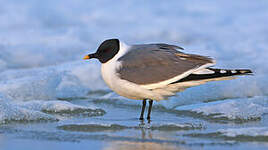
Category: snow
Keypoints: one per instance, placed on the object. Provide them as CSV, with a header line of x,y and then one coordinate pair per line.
x,y
40,110
232,109
42,45
248,131
54,106
13,112
62,81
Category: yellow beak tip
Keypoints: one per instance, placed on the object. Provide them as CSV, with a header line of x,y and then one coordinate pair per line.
x,y
86,57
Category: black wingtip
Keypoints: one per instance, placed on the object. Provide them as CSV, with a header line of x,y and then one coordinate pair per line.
x,y
245,72
217,73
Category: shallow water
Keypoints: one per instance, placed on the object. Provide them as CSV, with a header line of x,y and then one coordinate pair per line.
x,y
119,128
51,99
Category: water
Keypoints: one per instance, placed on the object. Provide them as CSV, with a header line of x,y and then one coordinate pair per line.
x,y
51,98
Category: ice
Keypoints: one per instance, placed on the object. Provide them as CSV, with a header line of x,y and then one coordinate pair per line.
x,y
242,134
41,110
248,131
55,106
32,87
10,111
58,37
47,64
2,65
63,81
93,127
232,109
175,126
42,44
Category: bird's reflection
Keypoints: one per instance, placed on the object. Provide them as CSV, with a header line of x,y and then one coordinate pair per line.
x,y
130,145
145,129
144,142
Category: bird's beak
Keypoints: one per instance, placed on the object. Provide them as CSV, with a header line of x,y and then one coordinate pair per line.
x,y
86,57
89,56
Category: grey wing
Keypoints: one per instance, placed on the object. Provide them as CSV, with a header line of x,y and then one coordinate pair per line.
x,y
153,63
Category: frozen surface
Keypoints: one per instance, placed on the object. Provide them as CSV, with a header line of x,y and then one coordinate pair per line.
x,y
57,36
13,112
251,131
95,127
55,106
41,110
62,81
240,109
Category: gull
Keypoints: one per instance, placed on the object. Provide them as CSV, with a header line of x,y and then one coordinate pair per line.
x,y
155,72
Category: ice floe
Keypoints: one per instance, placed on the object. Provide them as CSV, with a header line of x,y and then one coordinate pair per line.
x,y
64,81
232,109
248,131
97,126
11,110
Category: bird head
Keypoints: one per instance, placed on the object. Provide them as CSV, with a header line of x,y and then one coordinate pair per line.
x,y
106,51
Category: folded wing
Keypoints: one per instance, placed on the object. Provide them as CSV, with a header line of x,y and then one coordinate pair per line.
x,y
155,63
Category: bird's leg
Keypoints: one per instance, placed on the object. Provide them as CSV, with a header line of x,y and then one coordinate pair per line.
x,y
143,108
150,109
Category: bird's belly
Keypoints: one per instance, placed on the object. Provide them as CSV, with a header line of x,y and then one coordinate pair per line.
x,y
118,85
127,92
124,90
123,87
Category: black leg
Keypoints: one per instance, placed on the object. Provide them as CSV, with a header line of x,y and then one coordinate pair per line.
x,y
150,109
143,108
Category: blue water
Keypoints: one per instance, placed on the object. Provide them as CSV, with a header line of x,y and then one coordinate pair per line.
x,y
51,98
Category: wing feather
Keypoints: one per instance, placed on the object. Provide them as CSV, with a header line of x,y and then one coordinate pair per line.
x,y
153,63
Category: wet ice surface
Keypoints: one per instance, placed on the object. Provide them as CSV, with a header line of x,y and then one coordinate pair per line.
x,y
51,98
235,109
42,110
168,129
